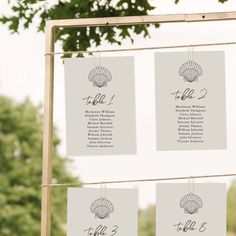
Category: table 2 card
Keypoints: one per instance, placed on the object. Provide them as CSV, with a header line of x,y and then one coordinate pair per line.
x,y
100,212
100,106
190,100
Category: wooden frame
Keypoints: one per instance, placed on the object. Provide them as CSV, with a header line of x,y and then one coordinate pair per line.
x,y
49,82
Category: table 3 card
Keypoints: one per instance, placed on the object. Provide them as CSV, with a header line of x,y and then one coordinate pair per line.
x,y
99,212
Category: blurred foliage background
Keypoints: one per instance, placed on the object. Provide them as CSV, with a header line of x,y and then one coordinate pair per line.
x,y
21,123
21,170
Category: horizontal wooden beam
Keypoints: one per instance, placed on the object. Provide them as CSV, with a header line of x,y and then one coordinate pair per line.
x,y
148,19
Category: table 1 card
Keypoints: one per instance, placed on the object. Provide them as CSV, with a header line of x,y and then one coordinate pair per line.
x,y
201,211
100,106
97,212
190,100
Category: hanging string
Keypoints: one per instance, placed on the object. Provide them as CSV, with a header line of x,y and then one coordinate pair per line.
x,y
103,190
191,186
97,59
139,49
188,58
190,54
193,54
139,180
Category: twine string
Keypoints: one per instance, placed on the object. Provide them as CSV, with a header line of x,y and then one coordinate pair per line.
x,y
140,48
138,180
191,186
103,190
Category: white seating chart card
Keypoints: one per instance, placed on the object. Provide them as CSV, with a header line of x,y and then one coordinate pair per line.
x,y
100,106
199,212
190,100
107,212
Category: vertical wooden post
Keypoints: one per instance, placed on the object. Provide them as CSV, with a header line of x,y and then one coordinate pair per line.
x,y
47,133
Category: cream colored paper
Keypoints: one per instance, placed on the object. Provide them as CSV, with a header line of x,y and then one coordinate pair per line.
x,y
107,212
100,106
190,100
183,209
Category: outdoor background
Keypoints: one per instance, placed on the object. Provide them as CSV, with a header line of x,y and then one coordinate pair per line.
x,y
22,91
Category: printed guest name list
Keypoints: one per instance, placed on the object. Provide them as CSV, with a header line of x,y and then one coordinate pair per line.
x,y
100,106
190,123
190,101
100,125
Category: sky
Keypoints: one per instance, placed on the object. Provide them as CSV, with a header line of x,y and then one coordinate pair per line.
x,y
22,75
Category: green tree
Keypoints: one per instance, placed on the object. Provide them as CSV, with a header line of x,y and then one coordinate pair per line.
x,y
20,171
147,221
25,12
231,208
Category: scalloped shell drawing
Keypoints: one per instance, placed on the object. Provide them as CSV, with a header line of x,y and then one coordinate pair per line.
x,y
190,71
191,203
102,208
100,76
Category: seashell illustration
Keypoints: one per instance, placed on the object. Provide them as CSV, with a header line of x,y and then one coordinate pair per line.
x,y
190,71
100,76
191,203
102,208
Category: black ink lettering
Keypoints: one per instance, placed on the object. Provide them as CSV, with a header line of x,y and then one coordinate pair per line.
x,y
202,227
101,230
188,226
114,231
98,99
89,231
179,227
111,100
204,91
187,94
